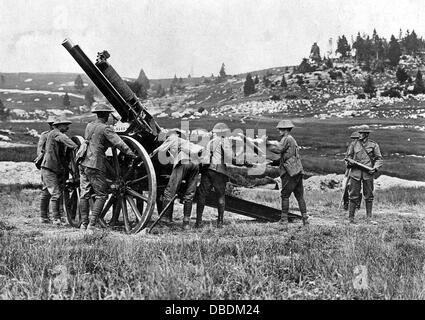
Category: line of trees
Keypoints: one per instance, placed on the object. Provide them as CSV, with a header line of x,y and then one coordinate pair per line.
x,y
378,48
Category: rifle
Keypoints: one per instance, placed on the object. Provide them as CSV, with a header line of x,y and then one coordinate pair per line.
x,y
345,188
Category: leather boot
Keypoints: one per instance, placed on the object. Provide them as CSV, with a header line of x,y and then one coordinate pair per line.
x,y
369,210
168,216
220,218
199,211
187,212
84,212
284,218
54,204
351,210
97,210
44,206
305,218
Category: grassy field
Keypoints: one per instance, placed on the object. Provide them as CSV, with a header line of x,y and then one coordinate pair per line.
x,y
244,260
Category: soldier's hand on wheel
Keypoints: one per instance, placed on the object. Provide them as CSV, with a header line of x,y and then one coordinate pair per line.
x,y
134,156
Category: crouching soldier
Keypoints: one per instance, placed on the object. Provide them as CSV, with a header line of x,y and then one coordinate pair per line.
x,y
218,152
354,136
185,157
100,137
54,168
291,171
366,152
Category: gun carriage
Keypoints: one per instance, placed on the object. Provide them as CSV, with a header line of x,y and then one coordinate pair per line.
x,y
135,185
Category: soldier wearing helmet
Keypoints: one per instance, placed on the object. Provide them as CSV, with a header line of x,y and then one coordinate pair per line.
x,y
185,157
291,170
354,136
366,152
45,195
218,153
54,168
99,136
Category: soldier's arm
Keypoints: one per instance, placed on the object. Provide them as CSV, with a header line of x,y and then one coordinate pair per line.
x,y
279,147
41,144
117,142
378,157
66,141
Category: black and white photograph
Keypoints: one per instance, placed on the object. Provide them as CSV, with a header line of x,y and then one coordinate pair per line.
x,y
212,155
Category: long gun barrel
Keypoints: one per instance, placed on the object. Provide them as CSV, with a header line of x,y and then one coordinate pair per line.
x,y
113,87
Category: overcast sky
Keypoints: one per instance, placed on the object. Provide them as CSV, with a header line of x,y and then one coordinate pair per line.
x,y
167,37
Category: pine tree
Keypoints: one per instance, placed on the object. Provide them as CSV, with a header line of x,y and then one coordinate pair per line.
x,y
4,112
79,83
343,47
315,53
222,72
160,92
419,84
283,83
256,80
89,96
66,101
2,80
394,51
305,66
143,80
266,81
369,87
249,85
171,90
174,80
401,75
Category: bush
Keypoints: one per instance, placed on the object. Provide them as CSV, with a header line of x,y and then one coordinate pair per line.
x,y
392,93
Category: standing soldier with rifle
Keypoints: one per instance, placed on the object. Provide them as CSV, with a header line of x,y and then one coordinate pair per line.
x,y
364,159
54,168
354,136
291,171
99,136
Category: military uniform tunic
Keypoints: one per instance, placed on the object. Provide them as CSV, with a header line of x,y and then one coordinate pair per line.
x,y
93,168
185,158
218,153
288,149
54,168
367,153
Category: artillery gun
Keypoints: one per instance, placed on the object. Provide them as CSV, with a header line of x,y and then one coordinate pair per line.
x,y
135,185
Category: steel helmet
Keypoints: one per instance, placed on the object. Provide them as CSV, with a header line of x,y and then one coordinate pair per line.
x,y
220,128
355,135
103,108
285,124
364,129
61,120
51,119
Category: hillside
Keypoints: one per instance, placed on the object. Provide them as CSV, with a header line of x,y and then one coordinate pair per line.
x,y
326,106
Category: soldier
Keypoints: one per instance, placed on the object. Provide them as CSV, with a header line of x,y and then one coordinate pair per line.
x,y
100,136
291,171
366,152
214,172
354,136
54,168
185,157
45,195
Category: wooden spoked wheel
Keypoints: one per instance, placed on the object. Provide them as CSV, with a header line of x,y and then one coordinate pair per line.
x,y
132,189
71,193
